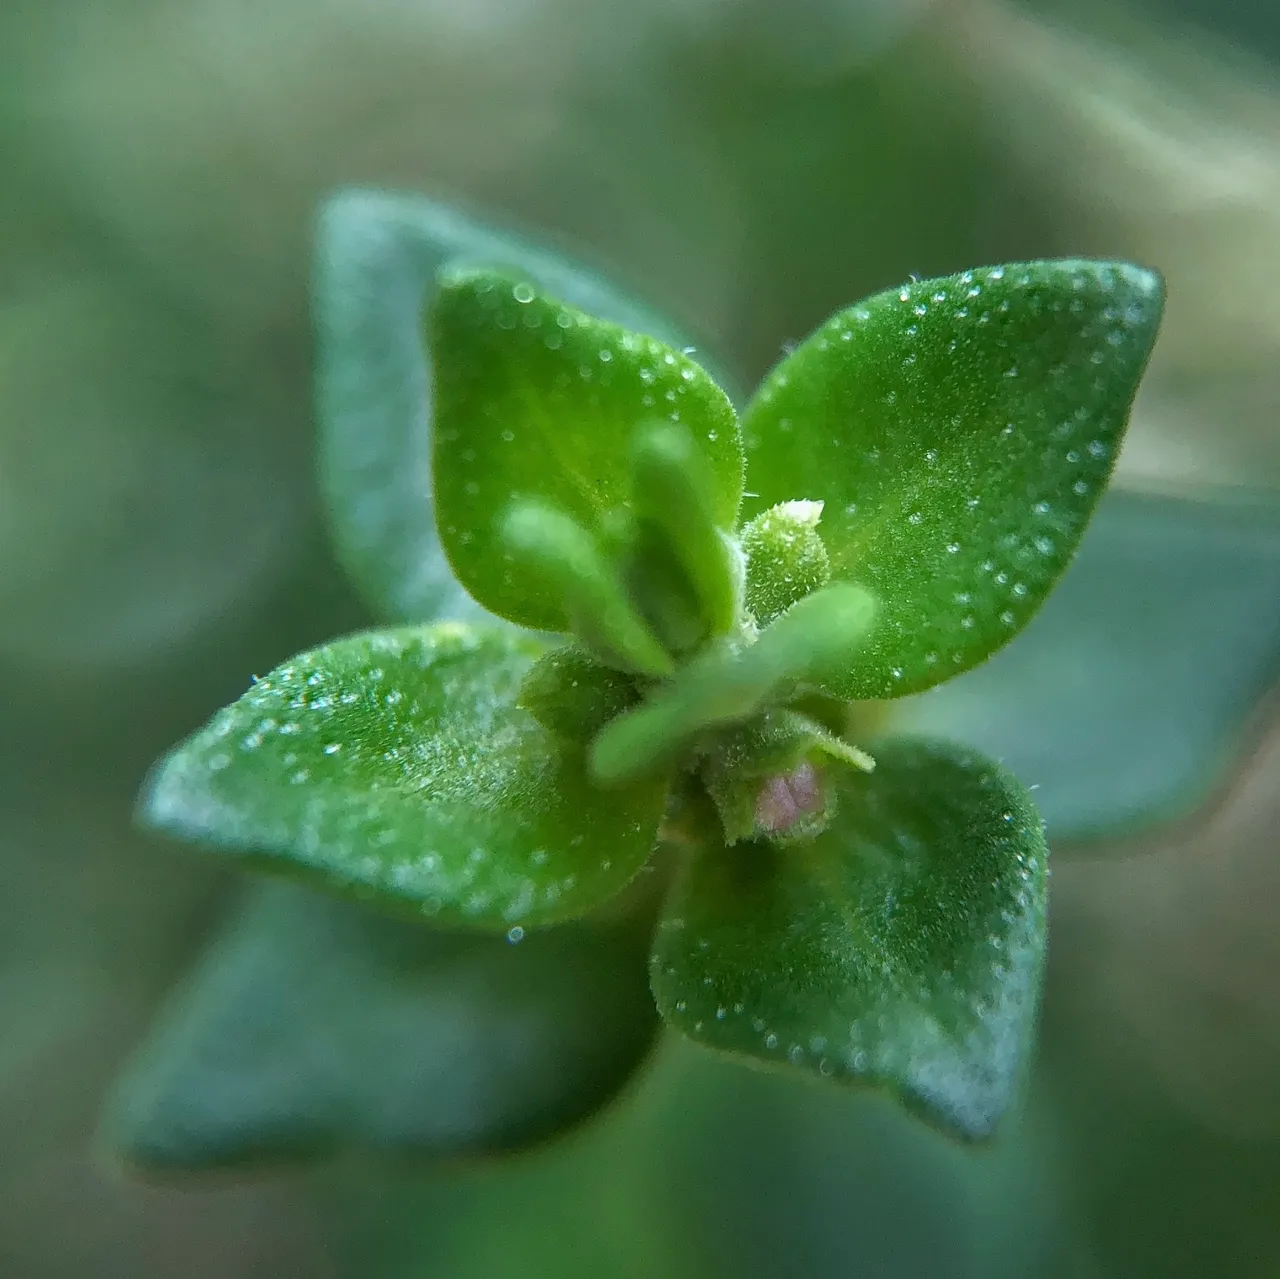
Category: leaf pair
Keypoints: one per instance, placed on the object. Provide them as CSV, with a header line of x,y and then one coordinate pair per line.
x,y
954,435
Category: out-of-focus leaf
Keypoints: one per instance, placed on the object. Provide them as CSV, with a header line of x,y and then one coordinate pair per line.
x,y
377,262
902,947
314,1025
1124,700
959,432
397,765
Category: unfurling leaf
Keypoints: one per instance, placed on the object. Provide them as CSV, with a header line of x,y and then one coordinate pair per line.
x,y
560,554
729,684
786,558
674,491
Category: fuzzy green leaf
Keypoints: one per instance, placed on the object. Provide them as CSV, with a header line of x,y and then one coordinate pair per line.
x,y
674,492
569,692
902,947
561,556
538,400
397,765
785,558
959,432
314,1026
377,260
728,684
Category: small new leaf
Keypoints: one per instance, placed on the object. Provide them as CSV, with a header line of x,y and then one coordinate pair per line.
x,y
902,947
398,766
557,552
674,491
569,692
786,558
729,684
537,400
959,432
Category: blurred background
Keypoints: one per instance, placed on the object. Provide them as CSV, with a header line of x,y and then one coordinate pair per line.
x,y
751,165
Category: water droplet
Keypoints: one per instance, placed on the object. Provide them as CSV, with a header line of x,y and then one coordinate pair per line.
x,y
333,748
953,548
515,934
522,292
771,1040
1044,545
914,518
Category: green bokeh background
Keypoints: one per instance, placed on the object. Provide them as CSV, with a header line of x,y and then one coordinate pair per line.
x,y
749,166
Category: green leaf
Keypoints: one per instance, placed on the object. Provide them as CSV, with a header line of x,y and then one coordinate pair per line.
x,y
1123,703
903,947
538,400
569,692
730,683
591,598
674,492
786,558
314,1026
397,765
377,259
959,432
